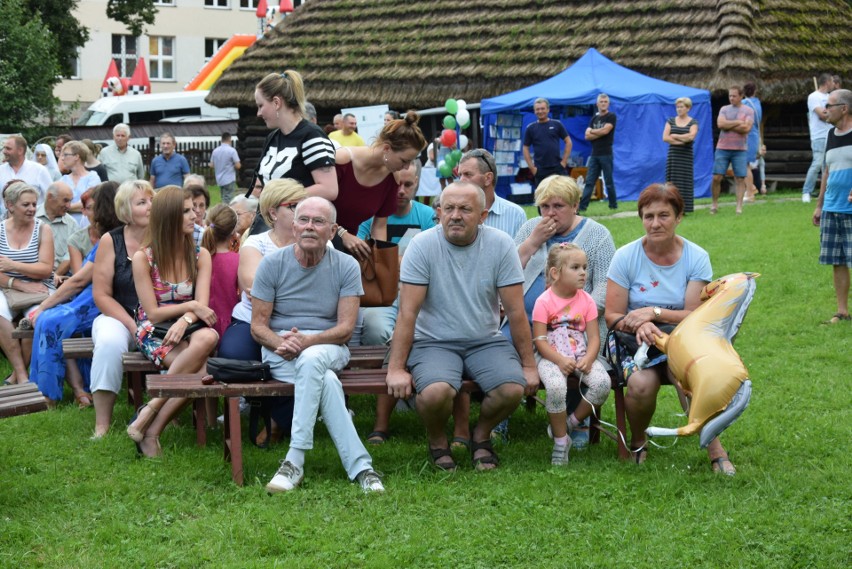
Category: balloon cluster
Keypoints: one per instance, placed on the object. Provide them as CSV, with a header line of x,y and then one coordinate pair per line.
x,y
458,118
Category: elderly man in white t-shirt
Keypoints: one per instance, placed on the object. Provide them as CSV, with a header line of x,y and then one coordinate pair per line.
x,y
305,300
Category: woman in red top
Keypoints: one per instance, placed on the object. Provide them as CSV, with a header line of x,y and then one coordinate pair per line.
x,y
367,186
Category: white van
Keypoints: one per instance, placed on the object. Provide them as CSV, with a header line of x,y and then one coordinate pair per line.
x,y
133,109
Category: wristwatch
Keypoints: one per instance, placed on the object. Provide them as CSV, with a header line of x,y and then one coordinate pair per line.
x,y
188,319
657,312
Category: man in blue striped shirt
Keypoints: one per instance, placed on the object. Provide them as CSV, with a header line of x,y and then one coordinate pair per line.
x,y
833,213
478,167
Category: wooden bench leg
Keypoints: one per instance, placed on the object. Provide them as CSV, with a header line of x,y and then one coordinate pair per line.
x,y
199,415
233,439
135,383
594,427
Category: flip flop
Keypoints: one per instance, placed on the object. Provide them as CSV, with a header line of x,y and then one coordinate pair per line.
x,y
640,454
718,465
838,318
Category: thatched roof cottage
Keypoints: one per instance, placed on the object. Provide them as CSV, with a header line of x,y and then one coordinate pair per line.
x,y
416,54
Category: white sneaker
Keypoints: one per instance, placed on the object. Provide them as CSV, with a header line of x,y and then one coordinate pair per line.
x,y
244,407
559,455
806,198
288,477
370,481
567,425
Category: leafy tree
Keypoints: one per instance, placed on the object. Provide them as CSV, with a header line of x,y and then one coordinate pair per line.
x,y
66,29
29,66
135,14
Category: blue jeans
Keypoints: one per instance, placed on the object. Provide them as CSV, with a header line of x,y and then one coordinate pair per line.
x,y
227,192
319,391
818,149
598,165
379,322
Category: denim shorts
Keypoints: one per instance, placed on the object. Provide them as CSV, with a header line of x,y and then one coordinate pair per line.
x,y
736,158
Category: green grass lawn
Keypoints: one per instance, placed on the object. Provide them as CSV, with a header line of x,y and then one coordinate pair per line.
x,y
67,501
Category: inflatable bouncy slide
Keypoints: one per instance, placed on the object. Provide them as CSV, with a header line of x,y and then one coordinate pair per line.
x,y
230,50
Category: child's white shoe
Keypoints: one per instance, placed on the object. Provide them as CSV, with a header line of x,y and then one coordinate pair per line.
x,y
559,455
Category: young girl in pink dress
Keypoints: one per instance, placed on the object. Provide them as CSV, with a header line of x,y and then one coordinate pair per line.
x,y
218,238
561,315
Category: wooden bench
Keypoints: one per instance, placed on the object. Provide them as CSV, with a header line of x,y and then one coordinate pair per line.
x,y
23,333
21,399
369,379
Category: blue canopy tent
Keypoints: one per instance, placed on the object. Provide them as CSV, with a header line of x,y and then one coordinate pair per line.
x,y
642,105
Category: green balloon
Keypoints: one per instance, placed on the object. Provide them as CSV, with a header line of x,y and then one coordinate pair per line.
x,y
465,125
457,155
450,122
445,169
450,160
452,106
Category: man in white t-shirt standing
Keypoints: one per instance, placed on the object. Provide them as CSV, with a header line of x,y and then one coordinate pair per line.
x,y
817,116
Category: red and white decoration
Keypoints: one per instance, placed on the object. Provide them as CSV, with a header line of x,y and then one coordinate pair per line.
x,y
115,86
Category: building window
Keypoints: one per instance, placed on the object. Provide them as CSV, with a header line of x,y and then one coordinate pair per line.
x,y
217,3
125,54
164,2
211,46
75,66
162,57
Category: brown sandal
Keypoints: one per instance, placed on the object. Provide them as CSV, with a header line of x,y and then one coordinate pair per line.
x,y
437,453
482,463
84,400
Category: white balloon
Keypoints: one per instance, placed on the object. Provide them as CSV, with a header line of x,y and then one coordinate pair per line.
x,y
463,142
462,104
463,117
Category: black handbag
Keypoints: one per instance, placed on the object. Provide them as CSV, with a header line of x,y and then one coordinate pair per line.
x,y
227,370
162,328
620,347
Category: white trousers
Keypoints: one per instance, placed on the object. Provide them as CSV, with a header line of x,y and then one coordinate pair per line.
x,y
111,339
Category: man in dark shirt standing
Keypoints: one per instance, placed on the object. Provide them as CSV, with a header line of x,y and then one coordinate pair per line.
x,y
600,133
544,135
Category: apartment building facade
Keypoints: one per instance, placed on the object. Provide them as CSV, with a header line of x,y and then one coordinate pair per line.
x,y
185,35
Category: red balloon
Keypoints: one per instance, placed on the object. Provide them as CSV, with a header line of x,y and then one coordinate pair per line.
x,y
448,138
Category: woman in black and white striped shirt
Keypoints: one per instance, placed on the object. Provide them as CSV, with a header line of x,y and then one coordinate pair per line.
x,y
26,265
